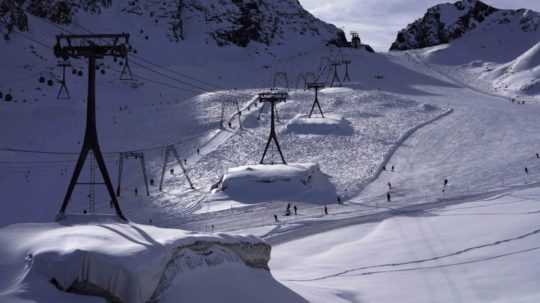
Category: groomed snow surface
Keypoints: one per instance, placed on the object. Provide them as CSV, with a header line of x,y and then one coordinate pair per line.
x,y
482,251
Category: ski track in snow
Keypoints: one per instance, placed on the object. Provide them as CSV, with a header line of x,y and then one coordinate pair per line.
x,y
453,254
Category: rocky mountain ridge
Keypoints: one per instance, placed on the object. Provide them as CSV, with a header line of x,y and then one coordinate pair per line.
x,y
444,23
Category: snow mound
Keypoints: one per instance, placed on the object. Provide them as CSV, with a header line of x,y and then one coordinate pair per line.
x,y
428,107
53,262
330,124
259,183
337,90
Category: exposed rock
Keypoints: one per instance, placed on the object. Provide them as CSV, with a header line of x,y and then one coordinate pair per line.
x,y
442,24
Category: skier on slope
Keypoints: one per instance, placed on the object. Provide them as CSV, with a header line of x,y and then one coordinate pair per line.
x,y
276,218
526,170
389,186
295,210
388,197
325,210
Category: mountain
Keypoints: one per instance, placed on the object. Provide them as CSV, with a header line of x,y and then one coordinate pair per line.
x,y
450,21
238,22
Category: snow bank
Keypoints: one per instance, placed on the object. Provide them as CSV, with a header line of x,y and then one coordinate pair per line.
x,y
330,124
119,262
258,183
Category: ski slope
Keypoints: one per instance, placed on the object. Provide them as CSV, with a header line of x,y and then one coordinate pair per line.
x,y
405,123
482,251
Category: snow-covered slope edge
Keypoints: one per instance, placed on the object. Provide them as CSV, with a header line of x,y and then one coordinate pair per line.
x,y
119,262
520,75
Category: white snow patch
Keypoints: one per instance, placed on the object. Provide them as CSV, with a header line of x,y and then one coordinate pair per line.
x,y
258,183
123,261
330,124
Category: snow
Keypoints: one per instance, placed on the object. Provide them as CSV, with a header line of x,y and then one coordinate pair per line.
x,y
432,114
482,251
124,260
303,124
294,181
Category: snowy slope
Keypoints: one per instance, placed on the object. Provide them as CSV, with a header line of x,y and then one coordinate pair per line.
x,y
410,120
520,76
482,251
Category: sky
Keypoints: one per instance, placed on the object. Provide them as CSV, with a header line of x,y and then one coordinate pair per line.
x,y
378,21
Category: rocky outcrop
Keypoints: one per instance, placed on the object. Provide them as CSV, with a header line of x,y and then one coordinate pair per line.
x,y
442,24
14,14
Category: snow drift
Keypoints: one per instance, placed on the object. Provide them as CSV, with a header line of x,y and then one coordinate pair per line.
x,y
330,124
258,183
119,262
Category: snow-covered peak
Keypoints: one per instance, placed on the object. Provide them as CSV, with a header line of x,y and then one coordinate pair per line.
x,y
444,23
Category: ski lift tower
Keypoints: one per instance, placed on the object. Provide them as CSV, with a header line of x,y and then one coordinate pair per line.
x,y
355,41
91,47
346,78
335,78
273,98
316,86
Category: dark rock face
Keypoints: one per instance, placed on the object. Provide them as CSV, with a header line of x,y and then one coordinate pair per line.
x,y
228,22
12,16
241,22
442,24
14,12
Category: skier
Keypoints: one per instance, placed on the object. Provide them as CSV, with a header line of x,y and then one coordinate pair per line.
x,y
230,125
393,168
172,171
276,218
288,210
295,210
152,182
185,161
325,210
526,170
445,182
136,191
198,151
389,186
388,197
384,168
338,200
537,155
